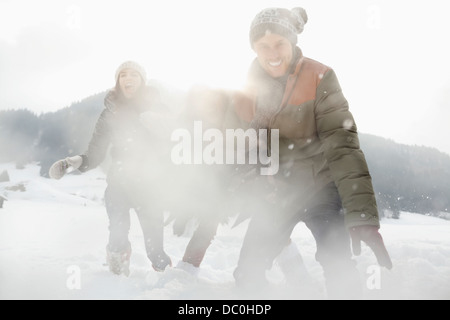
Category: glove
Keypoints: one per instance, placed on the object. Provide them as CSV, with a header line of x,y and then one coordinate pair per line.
x,y
371,236
60,167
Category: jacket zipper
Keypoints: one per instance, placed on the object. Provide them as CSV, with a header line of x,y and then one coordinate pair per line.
x,y
281,107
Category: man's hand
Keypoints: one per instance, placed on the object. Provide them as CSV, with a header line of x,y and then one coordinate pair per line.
x,y
371,236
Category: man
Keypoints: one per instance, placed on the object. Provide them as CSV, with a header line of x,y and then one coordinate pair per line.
x,y
323,178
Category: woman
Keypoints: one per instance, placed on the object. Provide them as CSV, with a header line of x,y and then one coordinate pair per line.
x,y
202,189
212,193
322,168
137,169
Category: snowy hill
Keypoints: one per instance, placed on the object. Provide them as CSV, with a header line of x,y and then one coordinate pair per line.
x,y
53,236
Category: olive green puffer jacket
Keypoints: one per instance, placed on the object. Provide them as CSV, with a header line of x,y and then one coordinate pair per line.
x,y
318,142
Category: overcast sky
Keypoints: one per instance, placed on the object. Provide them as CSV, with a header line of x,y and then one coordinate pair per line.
x,y
391,57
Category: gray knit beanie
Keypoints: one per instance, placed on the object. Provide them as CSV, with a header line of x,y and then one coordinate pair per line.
x,y
132,65
286,23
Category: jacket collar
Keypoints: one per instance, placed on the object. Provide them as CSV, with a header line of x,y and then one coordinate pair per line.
x,y
113,99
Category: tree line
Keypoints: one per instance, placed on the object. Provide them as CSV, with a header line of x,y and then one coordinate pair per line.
x,y
405,178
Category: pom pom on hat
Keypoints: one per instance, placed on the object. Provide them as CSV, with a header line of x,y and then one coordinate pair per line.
x,y
302,18
287,23
132,65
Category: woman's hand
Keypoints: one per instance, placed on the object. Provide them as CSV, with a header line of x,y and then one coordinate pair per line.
x,y
60,167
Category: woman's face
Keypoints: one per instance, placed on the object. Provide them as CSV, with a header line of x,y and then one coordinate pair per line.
x,y
274,54
130,82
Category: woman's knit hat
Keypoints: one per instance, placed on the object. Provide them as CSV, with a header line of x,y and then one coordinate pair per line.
x,y
286,23
132,65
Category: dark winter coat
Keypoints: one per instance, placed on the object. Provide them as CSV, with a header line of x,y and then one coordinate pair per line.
x,y
138,158
318,141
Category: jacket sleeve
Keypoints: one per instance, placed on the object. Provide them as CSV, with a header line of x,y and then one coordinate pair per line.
x,y
99,143
338,133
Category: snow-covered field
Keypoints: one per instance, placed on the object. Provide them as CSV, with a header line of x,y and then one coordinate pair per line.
x,y
53,238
